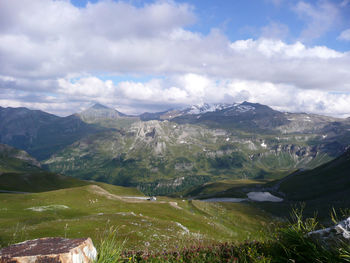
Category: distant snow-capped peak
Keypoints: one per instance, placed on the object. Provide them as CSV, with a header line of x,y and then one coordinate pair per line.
x,y
206,107
212,107
244,108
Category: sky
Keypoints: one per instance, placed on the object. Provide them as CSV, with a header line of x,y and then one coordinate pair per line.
x,y
62,56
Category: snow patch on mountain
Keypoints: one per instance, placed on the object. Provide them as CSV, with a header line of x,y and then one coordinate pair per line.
x,y
206,107
244,108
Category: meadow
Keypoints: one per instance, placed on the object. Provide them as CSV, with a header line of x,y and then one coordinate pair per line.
x,y
86,211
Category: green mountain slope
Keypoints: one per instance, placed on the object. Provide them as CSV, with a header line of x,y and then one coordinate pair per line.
x,y
22,173
321,190
39,181
19,172
330,181
40,133
163,157
14,160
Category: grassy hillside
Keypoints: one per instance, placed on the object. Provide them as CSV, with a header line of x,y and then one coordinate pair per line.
x,y
10,165
328,181
89,210
20,176
320,190
39,181
15,160
223,188
19,172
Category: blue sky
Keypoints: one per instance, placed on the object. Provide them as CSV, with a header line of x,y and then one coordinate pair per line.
x,y
152,55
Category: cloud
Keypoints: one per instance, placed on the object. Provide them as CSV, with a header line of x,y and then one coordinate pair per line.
x,y
106,36
57,63
345,35
279,49
187,89
159,94
319,18
295,64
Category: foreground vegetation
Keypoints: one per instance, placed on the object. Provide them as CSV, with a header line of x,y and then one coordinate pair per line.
x,y
288,243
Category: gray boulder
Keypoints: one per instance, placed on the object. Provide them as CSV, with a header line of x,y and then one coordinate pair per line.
x,y
339,232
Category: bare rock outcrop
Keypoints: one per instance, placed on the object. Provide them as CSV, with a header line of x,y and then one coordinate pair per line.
x,y
50,250
341,231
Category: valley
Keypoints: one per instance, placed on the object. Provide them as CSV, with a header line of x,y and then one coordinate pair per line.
x,y
172,151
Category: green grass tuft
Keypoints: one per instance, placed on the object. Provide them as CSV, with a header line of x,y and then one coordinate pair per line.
x,y
109,248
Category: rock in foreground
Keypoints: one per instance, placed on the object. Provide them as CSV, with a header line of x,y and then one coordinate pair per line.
x,y
341,231
50,250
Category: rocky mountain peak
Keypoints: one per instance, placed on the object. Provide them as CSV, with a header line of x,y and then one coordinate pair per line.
x,y
98,112
98,106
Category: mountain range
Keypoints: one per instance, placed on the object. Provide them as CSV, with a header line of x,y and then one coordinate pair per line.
x,y
39,133
174,150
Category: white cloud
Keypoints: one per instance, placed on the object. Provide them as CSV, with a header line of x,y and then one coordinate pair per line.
x,y
277,48
89,87
345,35
295,64
53,52
182,90
107,36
